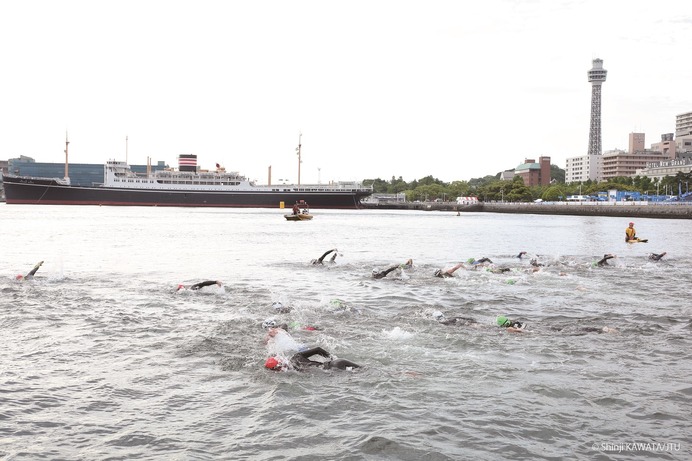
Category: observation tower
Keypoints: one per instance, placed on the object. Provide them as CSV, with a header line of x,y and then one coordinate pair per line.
x,y
597,75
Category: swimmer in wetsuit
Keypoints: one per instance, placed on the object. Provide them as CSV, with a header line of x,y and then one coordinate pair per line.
x,y
301,360
604,260
462,321
320,260
521,254
656,257
443,273
510,325
383,273
31,273
199,285
476,262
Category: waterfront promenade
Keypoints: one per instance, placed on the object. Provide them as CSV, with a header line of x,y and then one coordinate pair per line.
x,y
667,210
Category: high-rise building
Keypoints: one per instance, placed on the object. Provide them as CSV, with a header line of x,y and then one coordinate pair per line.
x,y
683,133
584,168
683,124
597,75
637,143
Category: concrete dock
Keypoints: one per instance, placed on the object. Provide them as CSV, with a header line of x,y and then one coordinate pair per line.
x,y
667,210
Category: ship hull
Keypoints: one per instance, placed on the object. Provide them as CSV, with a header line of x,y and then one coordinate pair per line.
x,y
45,191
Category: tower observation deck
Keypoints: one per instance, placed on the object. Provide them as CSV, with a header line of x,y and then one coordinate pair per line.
x,y
597,75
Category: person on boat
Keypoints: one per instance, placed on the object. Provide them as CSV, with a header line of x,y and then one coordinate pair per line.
x,y
449,272
630,233
31,273
320,260
604,260
510,325
296,210
313,357
656,257
199,285
461,321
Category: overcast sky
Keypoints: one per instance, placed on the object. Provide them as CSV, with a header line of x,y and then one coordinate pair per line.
x,y
452,89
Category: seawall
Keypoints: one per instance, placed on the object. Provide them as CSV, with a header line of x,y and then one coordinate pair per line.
x,y
615,209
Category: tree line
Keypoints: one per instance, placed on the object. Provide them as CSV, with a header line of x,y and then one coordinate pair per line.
x,y
492,188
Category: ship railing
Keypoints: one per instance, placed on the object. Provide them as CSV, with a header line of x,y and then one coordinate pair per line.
x,y
63,181
348,187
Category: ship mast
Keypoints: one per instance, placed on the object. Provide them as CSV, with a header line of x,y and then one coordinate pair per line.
x,y
125,149
300,135
67,176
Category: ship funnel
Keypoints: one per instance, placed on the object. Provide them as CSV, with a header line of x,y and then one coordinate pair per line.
x,y
187,162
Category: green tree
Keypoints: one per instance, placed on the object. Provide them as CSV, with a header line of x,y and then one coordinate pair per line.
x,y
553,193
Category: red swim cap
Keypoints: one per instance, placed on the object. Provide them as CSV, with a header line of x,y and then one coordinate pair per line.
x,y
631,224
19,277
271,363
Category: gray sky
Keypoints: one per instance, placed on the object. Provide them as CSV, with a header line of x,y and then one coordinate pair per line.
x,y
449,88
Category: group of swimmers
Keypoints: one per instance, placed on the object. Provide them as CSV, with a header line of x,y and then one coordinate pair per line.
x,y
303,357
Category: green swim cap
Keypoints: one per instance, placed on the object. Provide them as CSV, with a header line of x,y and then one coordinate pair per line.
x,y
511,281
501,320
470,260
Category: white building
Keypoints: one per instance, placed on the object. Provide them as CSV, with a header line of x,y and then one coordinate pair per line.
x,y
659,170
683,132
584,168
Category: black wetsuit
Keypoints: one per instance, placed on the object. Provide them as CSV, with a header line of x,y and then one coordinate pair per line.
x,y
33,271
604,261
458,321
656,257
483,260
321,258
302,359
382,274
199,285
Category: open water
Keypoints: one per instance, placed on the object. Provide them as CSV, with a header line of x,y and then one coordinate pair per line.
x,y
102,359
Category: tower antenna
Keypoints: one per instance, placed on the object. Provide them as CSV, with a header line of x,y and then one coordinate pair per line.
x,y
597,75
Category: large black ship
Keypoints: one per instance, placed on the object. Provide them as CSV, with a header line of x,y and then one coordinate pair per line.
x,y
186,186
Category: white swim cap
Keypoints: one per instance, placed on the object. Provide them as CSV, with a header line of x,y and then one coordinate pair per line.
x,y
269,323
437,315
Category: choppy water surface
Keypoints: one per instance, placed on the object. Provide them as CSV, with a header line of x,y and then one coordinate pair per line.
x,y
102,359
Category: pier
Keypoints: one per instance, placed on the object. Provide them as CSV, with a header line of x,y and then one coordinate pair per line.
x,y
662,210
